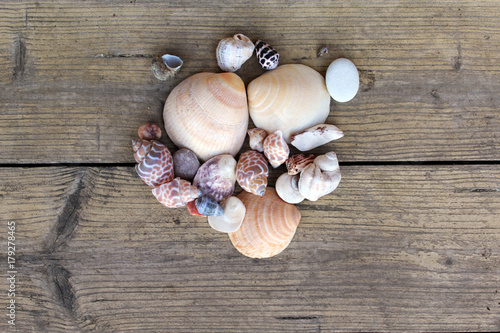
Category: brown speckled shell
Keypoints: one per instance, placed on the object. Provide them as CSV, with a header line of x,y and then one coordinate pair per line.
x,y
176,194
268,227
252,172
155,164
296,163
276,149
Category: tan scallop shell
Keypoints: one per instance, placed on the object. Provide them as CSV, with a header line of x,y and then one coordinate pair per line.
x,y
290,98
208,114
268,227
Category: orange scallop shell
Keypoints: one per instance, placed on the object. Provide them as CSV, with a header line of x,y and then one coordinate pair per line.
x,y
268,227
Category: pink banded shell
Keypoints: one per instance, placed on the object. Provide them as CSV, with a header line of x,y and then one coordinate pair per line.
x,y
155,164
252,172
276,149
177,193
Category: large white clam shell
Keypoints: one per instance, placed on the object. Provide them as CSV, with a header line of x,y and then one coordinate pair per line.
x,y
208,114
232,52
290,98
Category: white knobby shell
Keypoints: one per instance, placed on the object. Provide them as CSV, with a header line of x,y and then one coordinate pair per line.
x,y
231,220
320,178
327,162
342,80
289,98
315,136
287,188
232,52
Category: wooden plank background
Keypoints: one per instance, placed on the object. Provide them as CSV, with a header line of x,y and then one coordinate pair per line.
x,y
409,241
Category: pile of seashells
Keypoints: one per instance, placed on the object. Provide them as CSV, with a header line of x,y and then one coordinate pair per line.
x,y
207,116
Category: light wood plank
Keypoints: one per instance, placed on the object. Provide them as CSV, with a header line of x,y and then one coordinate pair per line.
x,y
394,248
429,71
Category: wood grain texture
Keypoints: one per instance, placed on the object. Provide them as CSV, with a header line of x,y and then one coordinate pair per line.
x,y
405,248
76,82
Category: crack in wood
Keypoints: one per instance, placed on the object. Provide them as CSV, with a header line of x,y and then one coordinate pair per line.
x,y
19,58
298,318
64,292
476,190
124,55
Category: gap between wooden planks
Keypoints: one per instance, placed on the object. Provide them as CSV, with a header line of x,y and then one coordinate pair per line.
x,y
394,248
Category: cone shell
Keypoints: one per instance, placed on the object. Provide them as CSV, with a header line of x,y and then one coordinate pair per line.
x,y
290,98
176,194
208,206
276,149
155,164
267,56
268,226
217,177
208,114
252,172
232,52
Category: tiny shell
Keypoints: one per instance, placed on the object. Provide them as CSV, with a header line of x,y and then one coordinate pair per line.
x,y
296,163
315,136
206,205
252,172
267,56
257,137
217,177
276,149
149,131
231,220
191,207
232,52
323,50
287,188
268,227
155,164
176,194
186,164
166,66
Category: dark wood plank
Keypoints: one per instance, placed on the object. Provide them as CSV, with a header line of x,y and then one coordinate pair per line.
x,y
76,82
400,248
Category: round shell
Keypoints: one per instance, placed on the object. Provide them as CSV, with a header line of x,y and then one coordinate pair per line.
x,y
208,114
268,226
186,164
252,172
154,162
290,98
217,177
232,52
230,221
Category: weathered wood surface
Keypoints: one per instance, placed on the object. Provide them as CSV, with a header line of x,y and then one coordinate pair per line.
x,y
406,248
75,81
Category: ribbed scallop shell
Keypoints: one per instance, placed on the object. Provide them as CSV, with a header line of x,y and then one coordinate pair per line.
x,y
176,194
208,114
232,52
290,98
155,164
276,149
268,227
252,172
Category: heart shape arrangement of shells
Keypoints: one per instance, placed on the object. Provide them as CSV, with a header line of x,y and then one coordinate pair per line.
x,y
206,116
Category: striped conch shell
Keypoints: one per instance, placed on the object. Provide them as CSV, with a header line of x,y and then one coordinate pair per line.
x,y
320,178
268,226
176,194
252,172
232,52
154,162
290,98
208,114
276,149
267,56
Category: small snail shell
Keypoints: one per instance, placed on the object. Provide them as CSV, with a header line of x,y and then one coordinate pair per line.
x,y
166,66
315,136
320,178
217,177
287,188
296,163
267,56
268,226
232,52
290,98
252,172
257,137
207,206
149,131
231,220
208,113
155,164
276,149
176,194
191,207
186,164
